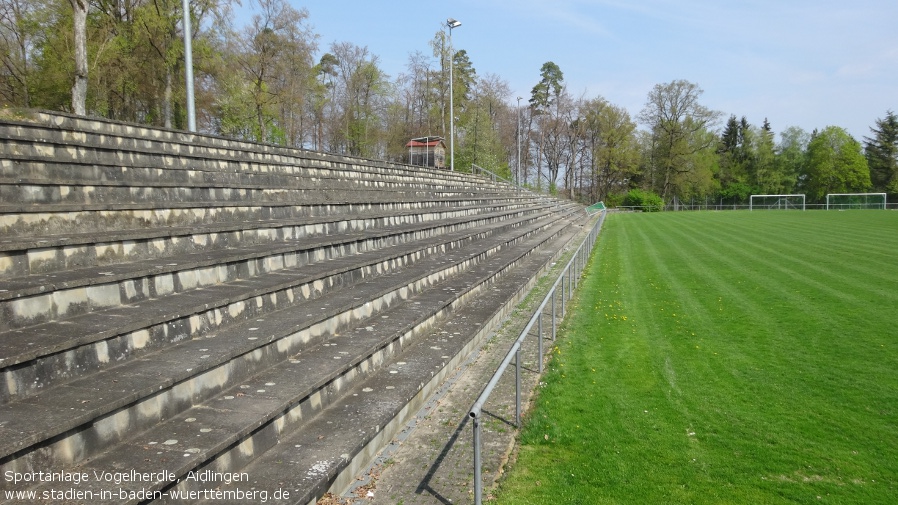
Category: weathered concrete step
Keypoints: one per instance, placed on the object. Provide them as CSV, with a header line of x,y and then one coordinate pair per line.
x,y
179,383
93,341
102,218
307,223
48,172
54,271
22,196
35,300
294,389
161,161
274,199
37,142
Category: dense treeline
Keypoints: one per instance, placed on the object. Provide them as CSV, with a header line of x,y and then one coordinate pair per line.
x,y
266,82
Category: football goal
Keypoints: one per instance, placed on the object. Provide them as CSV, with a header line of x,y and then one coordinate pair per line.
x,y
842,201
776,202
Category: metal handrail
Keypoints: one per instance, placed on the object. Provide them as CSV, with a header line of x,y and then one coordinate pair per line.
x,y
567,280
477,169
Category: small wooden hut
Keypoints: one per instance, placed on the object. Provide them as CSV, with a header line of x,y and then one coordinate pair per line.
x,y
427,152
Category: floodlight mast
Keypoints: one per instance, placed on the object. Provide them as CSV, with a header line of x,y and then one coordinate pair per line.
x,y
518,171
451,23
188,66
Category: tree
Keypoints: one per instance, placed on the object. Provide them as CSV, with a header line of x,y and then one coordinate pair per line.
x,y
546,99
611,149
791,158
484,133
419,114
882,154
735,156
835,164
79,88
678,124
20,31
266,99
322,100
440,47
362,89
765,178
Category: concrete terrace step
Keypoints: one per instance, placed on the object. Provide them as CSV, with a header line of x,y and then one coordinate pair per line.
x,y
49,171
349,217
194,386
97,142
101,218
240,423
35,258
54,271
85,342
24,198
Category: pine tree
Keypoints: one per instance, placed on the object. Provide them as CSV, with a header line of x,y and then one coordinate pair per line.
x,y
882,154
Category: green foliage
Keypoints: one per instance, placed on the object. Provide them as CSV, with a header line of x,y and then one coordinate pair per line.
x,y
736,192
22,25
791,158
679,138
747,156
763,173
882,154
609,136
835,164
735,152
478,143
644,200
614,200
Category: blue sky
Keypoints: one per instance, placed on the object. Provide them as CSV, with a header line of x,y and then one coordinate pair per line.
x,y
800,63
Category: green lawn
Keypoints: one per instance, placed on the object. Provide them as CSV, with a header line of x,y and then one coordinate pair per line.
x,y
724,357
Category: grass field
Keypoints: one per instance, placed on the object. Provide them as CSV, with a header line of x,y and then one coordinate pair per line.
x,y
724,357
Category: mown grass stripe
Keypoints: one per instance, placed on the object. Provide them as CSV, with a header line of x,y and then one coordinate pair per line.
x,y
774,382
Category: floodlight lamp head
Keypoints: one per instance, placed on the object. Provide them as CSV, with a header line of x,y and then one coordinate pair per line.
x,y
452,23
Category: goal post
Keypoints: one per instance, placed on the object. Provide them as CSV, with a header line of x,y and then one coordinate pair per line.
x,y
842,201
776,202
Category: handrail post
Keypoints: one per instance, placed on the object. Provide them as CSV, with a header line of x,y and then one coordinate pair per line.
x,y
539,338
563,294
570,283
517,388
554,324
478,484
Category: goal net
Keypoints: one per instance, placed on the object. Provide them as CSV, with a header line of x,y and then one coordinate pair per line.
x,y
776,202
842,201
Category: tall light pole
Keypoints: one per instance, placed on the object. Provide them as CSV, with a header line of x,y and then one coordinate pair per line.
x,y
188,67
451,23
518,171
